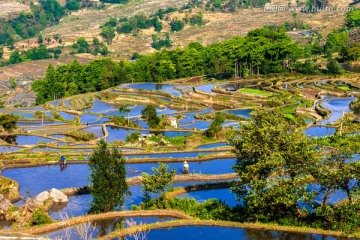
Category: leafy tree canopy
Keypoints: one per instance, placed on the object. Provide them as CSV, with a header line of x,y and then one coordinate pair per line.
x,y
108,177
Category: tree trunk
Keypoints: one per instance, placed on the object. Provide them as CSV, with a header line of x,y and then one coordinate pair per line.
x,y
326,197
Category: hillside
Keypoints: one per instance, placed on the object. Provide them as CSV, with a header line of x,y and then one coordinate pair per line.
x,y
219,26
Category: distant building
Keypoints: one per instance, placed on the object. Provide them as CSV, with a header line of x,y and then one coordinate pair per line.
x,y
173,122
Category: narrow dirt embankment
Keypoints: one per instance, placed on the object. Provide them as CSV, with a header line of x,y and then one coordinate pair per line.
x,y
210,223
178,178
103,216
198,187
33,162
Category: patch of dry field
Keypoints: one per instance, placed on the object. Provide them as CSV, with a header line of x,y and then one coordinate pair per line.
x,y
219,26
29,71
12,8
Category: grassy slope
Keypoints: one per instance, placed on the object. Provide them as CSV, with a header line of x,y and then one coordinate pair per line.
x,y
254,91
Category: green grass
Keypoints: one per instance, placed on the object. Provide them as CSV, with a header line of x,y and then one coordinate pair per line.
x,y
289,116
345,88
289,109
254,91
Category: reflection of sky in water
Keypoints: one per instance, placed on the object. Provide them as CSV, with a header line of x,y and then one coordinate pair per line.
x,y
241,112
206,88
101,107
316,131
88,118
97,130
67,116
221,194
103,227
215,233
212,145
156,87
9,148
337,106
27,140
79,205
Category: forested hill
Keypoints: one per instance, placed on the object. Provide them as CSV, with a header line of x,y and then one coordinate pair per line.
x,y
29,24
261,51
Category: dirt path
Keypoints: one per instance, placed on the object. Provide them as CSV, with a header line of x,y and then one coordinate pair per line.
x,y
194,222
178,178
98,217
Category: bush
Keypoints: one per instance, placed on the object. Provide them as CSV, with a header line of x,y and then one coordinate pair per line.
x,y
8,121
210,209
40,217
133,137
340,217
215,126
80,135
124,28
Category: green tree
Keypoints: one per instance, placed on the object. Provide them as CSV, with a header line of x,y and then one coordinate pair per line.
x,y
335,41
40,39
108,177
334,67
124,110
111,22
339,171
104,50
83,45
316,4
274,162
8,121
176,25
126,27
1,52
15,57
12,82
157,25
133,137
10,42
215,126
355,105
108,33
149,114
353,18
159,183
135,56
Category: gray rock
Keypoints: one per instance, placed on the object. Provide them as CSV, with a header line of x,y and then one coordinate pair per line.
x,y
5,204
52,194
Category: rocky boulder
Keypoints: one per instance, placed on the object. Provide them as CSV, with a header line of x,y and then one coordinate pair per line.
x,y
47,199
4,204
52,194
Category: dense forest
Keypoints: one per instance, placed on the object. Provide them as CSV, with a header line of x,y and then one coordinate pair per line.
x,y
262,51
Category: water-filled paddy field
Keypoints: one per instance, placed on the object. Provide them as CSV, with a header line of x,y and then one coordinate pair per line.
x,y
50,136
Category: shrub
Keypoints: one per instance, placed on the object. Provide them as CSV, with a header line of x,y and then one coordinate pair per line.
x,y
40,217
